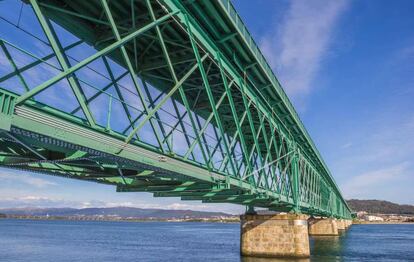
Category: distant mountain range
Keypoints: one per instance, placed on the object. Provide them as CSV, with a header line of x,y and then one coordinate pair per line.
x,y
370,206
380,206
122,212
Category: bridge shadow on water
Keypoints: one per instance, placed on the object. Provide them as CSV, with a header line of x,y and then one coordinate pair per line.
x,y
328,246
266,259
322,247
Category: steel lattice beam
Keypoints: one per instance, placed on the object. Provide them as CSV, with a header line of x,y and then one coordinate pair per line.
x,y
193,112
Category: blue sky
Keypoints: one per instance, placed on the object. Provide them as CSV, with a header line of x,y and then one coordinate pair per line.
x,y
348,67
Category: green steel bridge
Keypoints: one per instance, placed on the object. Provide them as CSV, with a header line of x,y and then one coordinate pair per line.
x,y
171,97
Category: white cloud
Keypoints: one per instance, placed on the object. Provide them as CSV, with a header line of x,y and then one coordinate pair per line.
x,y
378,176
40,201
28,179
32,198
36,201
378,183
297,47
195,205
379,164
406,53
383,143
177,206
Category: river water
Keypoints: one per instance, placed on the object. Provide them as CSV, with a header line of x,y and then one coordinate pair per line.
x,y
44,241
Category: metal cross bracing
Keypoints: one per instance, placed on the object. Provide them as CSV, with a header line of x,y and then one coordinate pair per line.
x,y
163,96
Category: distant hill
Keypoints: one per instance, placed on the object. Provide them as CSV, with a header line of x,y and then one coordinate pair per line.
x,y
380,206
371,206
123,212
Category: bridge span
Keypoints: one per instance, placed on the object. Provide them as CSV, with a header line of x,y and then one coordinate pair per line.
x,y
171,97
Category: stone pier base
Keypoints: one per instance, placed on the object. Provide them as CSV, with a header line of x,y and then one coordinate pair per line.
x,y
341,224
284,235
322,227
348,223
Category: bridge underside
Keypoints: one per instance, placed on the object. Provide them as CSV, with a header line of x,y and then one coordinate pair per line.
x,y
44,143
169,97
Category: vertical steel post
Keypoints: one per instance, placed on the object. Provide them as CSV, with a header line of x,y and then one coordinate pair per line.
x,y
295,180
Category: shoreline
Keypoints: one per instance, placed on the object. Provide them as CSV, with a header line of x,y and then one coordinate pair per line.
x,y
194,220
230,221
383,223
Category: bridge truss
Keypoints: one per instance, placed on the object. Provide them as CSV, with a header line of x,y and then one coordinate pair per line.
x,y
163,96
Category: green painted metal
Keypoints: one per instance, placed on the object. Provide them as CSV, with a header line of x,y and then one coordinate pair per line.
x,y
177,100
7,102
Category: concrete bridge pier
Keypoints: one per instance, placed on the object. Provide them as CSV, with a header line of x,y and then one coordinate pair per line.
x,y
341,224
281,235
348,223
323,227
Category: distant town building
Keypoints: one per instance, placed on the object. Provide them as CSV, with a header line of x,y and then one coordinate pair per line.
x,y
373,218
361,214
